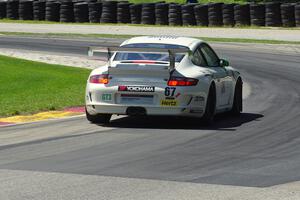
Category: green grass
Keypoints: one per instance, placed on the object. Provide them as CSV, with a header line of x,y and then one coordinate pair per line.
x,y
141,25
95,36
28,87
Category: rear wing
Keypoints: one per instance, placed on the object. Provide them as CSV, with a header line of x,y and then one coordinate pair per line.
x,y
109,51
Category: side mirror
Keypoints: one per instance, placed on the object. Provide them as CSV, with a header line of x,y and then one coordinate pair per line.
x,y
224,63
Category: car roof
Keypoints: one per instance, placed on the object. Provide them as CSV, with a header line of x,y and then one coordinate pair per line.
x,y
182,41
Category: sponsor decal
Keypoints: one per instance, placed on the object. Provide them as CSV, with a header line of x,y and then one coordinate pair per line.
x,y
168,102
137,95
170,98
136,88
178,94
106,97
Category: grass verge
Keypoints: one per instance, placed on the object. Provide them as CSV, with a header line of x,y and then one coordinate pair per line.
x,y
142,25
208,39
28,87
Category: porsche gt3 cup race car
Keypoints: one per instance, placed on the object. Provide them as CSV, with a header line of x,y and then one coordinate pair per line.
x,y
162,75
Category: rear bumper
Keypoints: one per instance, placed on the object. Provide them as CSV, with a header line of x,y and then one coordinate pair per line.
x,y
150,110
190,100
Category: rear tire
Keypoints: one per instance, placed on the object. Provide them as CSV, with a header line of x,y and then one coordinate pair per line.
x,y
237,106
98,118
210,108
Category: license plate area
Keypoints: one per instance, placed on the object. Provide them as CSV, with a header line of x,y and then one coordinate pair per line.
x,y
134,99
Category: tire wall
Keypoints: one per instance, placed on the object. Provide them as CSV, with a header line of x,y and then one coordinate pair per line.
x,y
2,9
297,15
272,14
215,14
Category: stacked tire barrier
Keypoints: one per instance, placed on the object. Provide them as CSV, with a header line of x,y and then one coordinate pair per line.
x,y
39,10
109,12
135,13
95,10
271,14
257,14
287,15
66,11
188,15
215,16
81,12
161,13
52,11
201,15
228,14
148,13
12,9
297,15
242,15
2,9
174,15
123,13
25,10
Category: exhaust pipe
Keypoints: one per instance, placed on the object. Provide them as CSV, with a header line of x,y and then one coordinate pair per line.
x,y
134,111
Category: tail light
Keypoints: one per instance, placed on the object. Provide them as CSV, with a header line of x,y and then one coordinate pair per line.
x,y
182,81
99,79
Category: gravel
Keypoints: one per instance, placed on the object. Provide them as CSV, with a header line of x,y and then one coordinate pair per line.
x,y
75,61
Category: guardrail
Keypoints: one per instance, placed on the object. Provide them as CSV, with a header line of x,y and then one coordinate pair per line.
x,y
212,14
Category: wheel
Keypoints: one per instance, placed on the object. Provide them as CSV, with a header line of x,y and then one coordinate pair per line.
x,y
98,118
210,108
237,106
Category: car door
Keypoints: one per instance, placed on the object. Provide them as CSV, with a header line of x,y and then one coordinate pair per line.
x,y
220,75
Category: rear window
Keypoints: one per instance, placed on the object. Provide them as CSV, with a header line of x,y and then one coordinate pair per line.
x,y
122,56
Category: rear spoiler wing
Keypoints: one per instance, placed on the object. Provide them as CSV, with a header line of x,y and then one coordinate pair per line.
x,y
108,50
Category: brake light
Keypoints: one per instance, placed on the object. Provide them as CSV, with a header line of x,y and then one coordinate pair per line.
x,y
182,81
100,79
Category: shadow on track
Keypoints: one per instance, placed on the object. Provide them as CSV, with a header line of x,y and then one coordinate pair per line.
x,y
222,122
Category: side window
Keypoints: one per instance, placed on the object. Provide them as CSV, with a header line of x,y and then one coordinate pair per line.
x,y
210,56
198,58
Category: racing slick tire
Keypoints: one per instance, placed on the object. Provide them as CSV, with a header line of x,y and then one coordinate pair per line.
x,y
210,108
98,118
237,106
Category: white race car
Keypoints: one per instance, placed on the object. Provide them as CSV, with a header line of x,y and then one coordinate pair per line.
x,y
162,75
